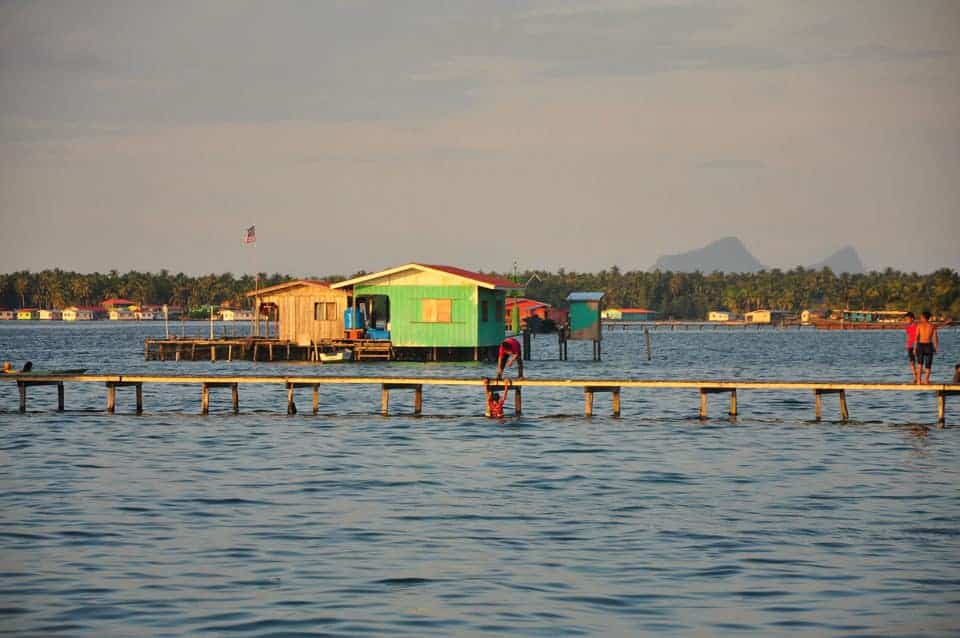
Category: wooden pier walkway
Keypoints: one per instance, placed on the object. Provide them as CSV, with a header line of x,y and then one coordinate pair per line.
x,y
590,387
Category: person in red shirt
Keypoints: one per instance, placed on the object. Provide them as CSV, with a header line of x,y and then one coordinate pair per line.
x,y
911,330
495,401
508,353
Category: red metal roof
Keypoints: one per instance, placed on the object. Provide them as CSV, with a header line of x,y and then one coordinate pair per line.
x,y
525,303
118,302
469,274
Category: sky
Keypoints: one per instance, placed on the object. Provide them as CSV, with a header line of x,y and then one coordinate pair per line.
x,y
141,135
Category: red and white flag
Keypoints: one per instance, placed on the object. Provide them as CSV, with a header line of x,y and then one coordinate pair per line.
x,y
250,235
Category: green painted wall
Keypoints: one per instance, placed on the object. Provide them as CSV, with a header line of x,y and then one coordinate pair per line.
x,y
465,329
585,320
491,332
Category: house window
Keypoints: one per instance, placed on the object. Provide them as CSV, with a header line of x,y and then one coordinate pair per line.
x,y
484,310
436,310
325,311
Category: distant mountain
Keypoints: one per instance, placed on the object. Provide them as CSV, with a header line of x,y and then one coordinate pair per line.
x,y
844,260
726,255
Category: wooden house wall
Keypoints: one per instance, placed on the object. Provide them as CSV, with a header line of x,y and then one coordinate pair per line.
x,y
296,314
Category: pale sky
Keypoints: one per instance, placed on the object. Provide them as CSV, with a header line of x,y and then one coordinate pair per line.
x,y
361,135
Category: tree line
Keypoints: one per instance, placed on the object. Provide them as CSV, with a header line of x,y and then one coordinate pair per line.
x,y
671,294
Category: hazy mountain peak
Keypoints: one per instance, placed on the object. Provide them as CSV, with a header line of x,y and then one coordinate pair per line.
x,y
844,260
726,255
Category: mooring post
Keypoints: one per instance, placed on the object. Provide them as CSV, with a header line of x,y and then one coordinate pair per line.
x,y
204,398
587,402
60,397
941,409
418,399
139,387
291,406
384,400
703,403
616,402
844,413
517,401
818,404
733,402
235,391
23,395
316,398
111,397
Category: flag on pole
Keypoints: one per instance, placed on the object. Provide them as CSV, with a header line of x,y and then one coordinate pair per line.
x,y
250,235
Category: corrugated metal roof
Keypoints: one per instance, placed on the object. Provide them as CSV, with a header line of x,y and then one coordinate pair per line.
x,y
288,284
469,274
585,296
487,281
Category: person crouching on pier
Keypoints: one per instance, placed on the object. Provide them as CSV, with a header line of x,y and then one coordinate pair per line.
x,y
495,401
509,353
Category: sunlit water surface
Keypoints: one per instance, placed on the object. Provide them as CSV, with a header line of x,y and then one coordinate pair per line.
x,y
347,523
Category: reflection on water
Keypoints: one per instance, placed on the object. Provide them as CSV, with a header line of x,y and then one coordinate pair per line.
x,y
346,523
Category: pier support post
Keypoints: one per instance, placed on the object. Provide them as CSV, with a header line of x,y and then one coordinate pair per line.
x,y
316,398
706,391
205,395
517,401
385,396
291,406
112,395
819,392
588,392
22,387
942,406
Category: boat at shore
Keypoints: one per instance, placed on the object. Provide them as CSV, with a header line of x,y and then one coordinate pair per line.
x,y
862,320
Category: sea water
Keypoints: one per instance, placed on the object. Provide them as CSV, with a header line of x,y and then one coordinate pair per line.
x,y
347,523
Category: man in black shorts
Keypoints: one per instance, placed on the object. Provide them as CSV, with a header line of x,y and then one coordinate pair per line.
x,y
928,341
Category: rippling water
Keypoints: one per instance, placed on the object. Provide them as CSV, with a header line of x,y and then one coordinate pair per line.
x,y
351,524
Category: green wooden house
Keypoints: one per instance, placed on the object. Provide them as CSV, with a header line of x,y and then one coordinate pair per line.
x,y
424,306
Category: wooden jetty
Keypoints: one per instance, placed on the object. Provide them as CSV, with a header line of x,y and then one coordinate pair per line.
x,y
260,349
589,387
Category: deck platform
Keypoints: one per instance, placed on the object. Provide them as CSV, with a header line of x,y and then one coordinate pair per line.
x,y
589,387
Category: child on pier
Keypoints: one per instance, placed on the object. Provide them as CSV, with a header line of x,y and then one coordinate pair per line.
x,y
495,401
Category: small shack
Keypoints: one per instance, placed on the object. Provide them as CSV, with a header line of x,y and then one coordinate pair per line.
x,y
585,309
305,311
432,312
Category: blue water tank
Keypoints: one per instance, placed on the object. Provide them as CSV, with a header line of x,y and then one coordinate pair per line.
x,y
353,319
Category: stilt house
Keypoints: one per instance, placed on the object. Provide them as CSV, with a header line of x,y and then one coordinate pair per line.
x,y
305,311
423,306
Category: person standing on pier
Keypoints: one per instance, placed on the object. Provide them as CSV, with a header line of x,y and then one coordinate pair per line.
x,y
508,353
911,330
928,341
